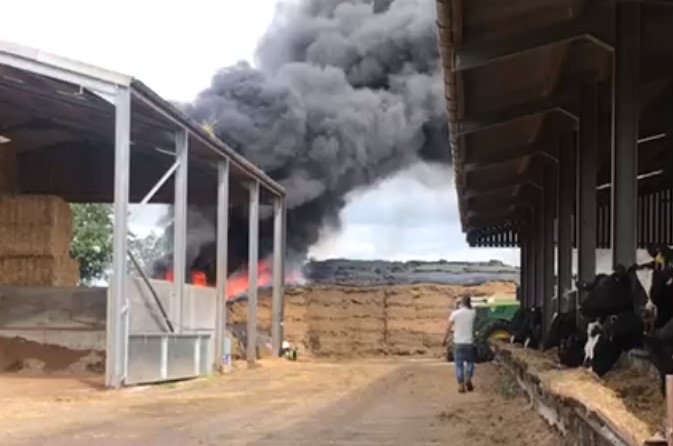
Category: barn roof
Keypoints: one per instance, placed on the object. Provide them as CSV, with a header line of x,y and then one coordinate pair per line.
x,y
513,71
57,116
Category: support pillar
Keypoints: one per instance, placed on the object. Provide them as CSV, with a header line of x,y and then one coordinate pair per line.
x,y
117,303
278,273
222,261
587,151
180,229
549,214
566,200
532,258
539,255
625,114
523,270
253,261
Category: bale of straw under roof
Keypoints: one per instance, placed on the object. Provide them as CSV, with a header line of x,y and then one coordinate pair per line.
x,y
39,271
35,210
35,240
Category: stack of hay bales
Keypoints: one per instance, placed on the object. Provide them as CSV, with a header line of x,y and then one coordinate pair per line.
x,y
35,236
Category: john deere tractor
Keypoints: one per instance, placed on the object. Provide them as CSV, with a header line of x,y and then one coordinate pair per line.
x,y
493,321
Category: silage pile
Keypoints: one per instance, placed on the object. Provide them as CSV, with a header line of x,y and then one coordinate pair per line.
x,y
35,236
358,321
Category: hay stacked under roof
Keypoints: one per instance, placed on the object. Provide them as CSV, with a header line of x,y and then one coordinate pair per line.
x,y
35,236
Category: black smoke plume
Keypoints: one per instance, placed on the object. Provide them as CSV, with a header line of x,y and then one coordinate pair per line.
x,y
346,93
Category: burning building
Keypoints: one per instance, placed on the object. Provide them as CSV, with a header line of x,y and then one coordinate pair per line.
x,y
343,94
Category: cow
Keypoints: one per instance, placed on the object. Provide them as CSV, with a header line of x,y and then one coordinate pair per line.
x,y
630,308
659,346
564,334
570,351
562,326
607,294
530,332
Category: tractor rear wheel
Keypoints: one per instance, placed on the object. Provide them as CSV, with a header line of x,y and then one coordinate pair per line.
x,y
491,331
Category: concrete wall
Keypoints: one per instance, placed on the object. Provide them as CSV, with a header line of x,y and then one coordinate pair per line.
x,y
76,317
68,317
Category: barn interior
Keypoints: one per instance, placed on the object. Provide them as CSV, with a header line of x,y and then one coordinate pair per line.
x,y
74,133
560,120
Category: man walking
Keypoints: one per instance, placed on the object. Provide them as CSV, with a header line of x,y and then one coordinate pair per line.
x,y
462,323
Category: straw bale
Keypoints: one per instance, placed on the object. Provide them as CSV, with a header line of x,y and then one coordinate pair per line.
x,y
35,240
35,210
39,271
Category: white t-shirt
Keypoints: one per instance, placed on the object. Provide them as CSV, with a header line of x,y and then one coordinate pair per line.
x,y
463,324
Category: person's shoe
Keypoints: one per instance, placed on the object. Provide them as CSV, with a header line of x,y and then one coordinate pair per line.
x,y
469,386
461,388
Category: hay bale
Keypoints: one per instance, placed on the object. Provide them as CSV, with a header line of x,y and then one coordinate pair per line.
x,y
35,240
39,271
35,210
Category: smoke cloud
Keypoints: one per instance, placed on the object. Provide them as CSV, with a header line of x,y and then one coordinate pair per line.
x,y
346,93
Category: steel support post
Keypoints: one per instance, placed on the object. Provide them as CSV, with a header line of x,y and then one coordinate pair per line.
x,y
278,273
587,150
566,200
625,114
549,214
180,228
253,259
532,259
117,304
539,255
523,271
222,262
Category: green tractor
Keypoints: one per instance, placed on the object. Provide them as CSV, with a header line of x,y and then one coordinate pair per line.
x,y
493,322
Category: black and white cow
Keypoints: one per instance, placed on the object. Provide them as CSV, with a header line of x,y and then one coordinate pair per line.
x,y
563,333
562,326
529,331
631,308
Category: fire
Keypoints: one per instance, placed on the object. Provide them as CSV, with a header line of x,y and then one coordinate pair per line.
x,y
238,284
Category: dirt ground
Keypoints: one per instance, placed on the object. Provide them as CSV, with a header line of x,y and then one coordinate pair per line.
x,y
279,403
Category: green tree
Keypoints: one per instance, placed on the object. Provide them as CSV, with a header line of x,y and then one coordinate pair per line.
x,y
92,240
148,249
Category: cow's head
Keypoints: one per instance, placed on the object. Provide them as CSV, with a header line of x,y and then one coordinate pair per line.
x,y
642,295
607,294
662,263
594,332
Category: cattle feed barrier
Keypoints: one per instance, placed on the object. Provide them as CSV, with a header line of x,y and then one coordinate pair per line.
x,y
570,418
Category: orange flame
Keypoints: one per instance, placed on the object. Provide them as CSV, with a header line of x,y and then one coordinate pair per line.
x,y
238,283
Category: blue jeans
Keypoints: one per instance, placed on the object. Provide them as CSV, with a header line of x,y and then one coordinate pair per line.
x,y
463,354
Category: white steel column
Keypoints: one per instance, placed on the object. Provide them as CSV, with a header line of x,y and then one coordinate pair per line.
x,y
253,259
117,303
222,259
180,229
278,273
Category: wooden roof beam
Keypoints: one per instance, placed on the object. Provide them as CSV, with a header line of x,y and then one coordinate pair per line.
x,y
509,154
561,102
589,26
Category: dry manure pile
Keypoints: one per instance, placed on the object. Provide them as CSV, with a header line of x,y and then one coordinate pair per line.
x,y
360,321
20,356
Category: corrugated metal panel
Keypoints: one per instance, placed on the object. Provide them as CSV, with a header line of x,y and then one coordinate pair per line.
x,y
655,225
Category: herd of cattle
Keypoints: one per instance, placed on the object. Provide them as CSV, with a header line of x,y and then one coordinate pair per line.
x,y
630,308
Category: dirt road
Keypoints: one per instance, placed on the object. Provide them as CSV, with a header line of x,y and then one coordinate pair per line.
x,y
281,403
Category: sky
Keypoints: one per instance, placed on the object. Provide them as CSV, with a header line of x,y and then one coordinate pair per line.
x,y
176,47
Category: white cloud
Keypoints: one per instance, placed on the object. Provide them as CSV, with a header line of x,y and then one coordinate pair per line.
x,y
410,216
174,47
